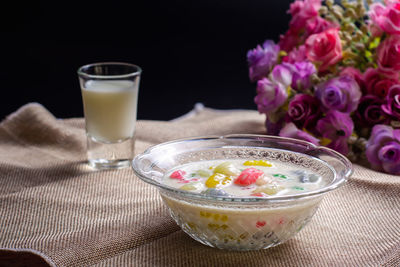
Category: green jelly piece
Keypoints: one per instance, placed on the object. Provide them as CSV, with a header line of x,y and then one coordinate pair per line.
x,y
298,188
280,175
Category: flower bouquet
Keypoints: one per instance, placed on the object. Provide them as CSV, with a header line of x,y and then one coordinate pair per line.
x,y
333,79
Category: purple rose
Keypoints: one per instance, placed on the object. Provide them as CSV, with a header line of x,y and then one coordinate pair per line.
x,y
282,74
369,111
383,149
273,128
341,93
262,59
392,103
270,96
301,73
336,127
304,111
290,130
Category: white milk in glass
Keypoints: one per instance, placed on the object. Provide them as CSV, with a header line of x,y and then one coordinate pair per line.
x,y
110,109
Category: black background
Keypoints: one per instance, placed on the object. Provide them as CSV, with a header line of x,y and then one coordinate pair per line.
x,y
190,51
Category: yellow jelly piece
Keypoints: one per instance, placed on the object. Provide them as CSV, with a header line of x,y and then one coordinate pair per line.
x,y
257,163
244,235
226,168
188,187
217,179
213,226
224,227
226,181
205,214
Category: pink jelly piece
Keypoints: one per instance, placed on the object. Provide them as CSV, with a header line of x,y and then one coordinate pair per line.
x,y
248,176
258,195
195,179
260,224
178,175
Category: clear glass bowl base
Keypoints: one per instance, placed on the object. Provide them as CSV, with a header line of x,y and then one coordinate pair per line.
x,y
242,229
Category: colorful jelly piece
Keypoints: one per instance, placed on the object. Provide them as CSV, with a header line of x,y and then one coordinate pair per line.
x,y
305,177
262,181
298,188
270,190
258,194
227,169
203,173
179,174
280,175
205,214
257,163
260,224
248,176
217,179
215,192
191,186
188,187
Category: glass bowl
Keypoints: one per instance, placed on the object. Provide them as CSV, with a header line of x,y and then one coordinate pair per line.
x,y
241,223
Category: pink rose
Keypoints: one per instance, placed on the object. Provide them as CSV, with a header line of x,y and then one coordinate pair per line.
x,y
324,48
317,25
290,40
302,11
388,54
386,18
376,83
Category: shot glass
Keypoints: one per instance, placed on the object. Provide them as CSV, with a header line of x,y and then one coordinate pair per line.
x,y
109,94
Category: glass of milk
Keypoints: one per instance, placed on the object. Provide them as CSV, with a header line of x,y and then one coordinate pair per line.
x,y
109,94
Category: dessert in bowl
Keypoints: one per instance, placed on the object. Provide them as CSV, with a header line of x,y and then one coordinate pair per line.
x,y
242,192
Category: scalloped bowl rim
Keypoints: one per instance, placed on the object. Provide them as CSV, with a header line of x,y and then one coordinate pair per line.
x,y
331,186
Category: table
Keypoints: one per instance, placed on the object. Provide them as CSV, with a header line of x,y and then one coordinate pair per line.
x,y
56,211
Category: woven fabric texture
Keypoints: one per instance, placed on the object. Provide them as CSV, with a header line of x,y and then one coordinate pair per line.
x,y
56,210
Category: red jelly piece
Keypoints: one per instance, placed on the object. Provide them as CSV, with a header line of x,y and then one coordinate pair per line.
x,y
178,175
257,195
260,224
248,176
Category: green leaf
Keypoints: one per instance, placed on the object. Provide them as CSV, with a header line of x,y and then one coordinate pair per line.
x,y
374,44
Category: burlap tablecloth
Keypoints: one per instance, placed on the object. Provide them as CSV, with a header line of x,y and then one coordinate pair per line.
x,y
57,211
